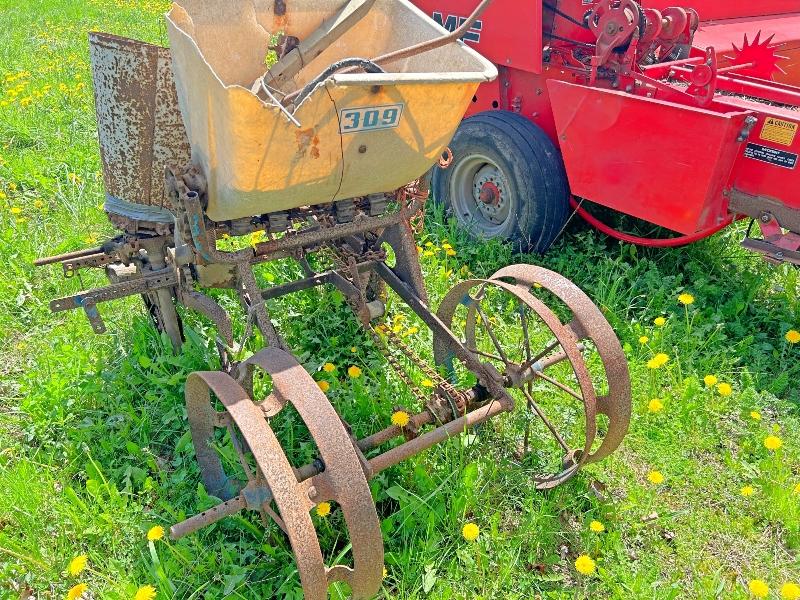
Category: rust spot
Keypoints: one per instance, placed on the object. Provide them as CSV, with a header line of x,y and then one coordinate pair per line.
x,y
304,138
280,22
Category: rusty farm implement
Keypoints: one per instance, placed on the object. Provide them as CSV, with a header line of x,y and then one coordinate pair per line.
x,y
315,156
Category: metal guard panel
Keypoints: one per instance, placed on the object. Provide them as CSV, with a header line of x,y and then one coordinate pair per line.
x,y
659,161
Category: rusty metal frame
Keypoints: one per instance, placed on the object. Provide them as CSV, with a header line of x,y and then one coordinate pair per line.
x,y
342,470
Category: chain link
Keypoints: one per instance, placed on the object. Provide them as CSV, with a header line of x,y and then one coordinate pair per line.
x,y
386,338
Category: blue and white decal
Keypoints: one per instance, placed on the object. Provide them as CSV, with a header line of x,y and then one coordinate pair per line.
x,y
370,118
453,22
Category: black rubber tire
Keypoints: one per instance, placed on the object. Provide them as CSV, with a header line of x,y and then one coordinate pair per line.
x,y
534,180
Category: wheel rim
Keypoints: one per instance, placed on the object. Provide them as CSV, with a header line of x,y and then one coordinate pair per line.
x,y
563,364
480,195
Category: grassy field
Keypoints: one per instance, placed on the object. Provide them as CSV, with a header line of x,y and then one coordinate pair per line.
x,y
94,449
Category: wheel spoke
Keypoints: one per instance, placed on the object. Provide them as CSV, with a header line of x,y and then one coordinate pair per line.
x,y
489,330
237,445
267,513
485,354
532,404
526,439
559,385
526,340
532,361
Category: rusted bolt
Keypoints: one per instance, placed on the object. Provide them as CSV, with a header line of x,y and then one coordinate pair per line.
x,y
312,492
362,149
766,217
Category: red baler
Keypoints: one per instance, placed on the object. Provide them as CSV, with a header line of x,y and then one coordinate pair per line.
x,y
641,108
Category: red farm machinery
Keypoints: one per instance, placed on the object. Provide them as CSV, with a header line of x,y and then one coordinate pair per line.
x,y
683,117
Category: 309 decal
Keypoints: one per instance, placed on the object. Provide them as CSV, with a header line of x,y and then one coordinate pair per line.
x,y
370,118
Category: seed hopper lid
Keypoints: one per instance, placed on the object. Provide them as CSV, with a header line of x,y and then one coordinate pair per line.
x,y
354,134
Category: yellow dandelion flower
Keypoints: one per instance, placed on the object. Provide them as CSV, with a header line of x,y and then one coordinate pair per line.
x,y
724,389
3,195
447,246
755,415
324,385
427,254
419,249
585,565
428,244
686,299
146,592
710,380
658,361
353,349
256,238
748,490
471,532
400,418
450,252
659,321
790,591
772,442
655,477
323,509
12,186
427,383
38,204
16,210
655,405
796,490
793,336
758,588
354,372
411,331
329,367
75,179
644,339
77,564
385,573
597,527
76,591
155,533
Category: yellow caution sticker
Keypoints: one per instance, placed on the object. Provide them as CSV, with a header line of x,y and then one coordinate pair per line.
x,y
779,131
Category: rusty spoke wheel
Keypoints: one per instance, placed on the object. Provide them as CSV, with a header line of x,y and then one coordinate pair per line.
x,y
558,356
269,484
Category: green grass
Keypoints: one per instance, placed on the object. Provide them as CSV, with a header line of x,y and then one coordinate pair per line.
x,y
94,447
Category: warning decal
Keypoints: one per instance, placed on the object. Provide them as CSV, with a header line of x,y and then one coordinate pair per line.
x,y
779,158
779,131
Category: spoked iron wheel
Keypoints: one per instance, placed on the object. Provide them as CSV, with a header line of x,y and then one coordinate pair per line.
x,y
264,480
557,354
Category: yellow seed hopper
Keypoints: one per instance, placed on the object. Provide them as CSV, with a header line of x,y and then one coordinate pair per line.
x,y
269,142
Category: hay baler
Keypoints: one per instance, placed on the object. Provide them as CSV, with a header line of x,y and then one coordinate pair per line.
x,y
628,106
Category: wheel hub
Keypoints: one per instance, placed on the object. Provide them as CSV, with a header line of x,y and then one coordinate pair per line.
x,y
490,194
